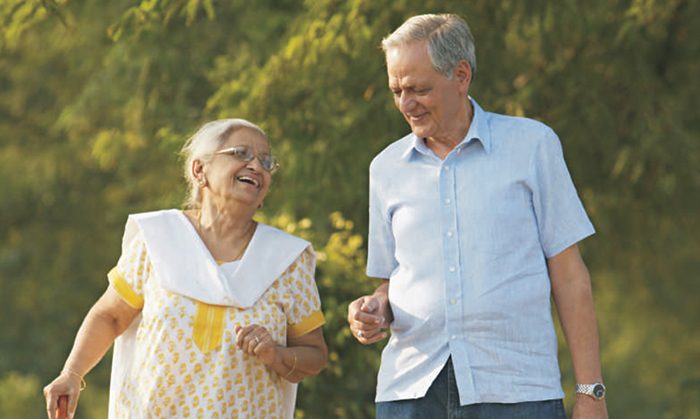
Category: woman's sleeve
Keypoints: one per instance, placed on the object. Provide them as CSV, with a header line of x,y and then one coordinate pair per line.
x,y
131,272
304,309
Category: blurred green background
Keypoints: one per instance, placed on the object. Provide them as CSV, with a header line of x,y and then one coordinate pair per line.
x,y
97,97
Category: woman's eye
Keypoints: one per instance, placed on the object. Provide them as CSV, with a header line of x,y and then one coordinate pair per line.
x,y
240,153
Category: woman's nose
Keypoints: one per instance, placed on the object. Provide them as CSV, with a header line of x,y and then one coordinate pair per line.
x,y
255,164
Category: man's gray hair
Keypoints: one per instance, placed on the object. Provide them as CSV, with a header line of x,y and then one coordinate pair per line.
x,y
448,38
202,145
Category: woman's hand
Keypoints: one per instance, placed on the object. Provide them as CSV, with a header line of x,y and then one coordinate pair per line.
x,y
106,320
66,385
256,340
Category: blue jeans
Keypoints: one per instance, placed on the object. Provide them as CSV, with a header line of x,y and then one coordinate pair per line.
x,y
442,401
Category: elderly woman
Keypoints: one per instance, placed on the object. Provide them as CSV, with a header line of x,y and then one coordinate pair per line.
x,y
214,314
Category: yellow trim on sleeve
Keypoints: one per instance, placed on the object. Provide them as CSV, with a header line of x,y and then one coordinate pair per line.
x,y
208,328
124,289
309,323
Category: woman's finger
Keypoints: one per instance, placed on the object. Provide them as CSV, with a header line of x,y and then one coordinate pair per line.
x,y
252,343
241,336
50,403
72,404
62,411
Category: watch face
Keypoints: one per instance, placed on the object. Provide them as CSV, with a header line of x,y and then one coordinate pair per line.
x,y
599,391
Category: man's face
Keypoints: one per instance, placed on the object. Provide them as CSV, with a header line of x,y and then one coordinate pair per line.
x,y
433,105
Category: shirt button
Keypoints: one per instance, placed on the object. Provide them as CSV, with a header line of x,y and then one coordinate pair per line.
x,y
453,337
447,200
452,268
449,234
446,168
453,301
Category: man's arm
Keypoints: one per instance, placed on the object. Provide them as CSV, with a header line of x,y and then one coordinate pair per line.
x,y
369,315
573,296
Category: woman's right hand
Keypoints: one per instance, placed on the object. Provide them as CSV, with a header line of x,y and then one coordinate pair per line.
x,y
66,384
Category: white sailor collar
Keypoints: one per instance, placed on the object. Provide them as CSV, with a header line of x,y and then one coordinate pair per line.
x,y
184,265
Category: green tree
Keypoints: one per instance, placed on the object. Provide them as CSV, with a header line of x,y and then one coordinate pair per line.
x,y
97,98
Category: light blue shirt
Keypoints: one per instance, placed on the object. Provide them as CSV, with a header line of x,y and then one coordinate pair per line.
x,y
464,243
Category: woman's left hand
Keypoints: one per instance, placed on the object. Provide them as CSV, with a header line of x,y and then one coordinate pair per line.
x,y
256,340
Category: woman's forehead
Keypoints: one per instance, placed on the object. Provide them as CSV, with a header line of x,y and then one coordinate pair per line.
x,y
249,137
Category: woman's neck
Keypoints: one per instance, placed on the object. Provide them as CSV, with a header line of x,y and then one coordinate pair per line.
x,y
225,231
227,223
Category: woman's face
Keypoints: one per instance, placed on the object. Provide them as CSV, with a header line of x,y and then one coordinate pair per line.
x,y
231,179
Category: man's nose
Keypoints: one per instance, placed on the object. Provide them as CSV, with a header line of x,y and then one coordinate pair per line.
x,y
406,102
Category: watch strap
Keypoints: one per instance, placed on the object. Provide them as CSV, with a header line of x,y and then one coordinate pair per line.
x,y
589,390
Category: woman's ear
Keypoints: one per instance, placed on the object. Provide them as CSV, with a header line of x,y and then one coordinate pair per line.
x,y
198,172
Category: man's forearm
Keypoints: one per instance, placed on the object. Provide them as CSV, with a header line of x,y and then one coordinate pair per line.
x,y
574,303
573,296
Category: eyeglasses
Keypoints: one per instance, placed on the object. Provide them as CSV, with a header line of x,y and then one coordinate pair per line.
x,y
244,153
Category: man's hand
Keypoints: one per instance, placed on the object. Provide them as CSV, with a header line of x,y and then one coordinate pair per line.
x,y
369,315
587,408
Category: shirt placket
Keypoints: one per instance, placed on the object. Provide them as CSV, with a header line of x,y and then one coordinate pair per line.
x,y
453,272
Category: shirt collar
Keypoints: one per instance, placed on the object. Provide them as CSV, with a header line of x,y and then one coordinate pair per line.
x,y
478,130
184,265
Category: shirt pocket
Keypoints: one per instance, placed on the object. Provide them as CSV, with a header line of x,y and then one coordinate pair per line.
x,y
502,221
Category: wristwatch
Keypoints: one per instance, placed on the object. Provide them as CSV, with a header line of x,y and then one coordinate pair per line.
x,y
595,390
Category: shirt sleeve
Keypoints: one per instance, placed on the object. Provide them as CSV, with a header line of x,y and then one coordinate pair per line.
x,y
561,218
381,261
304,308
131,272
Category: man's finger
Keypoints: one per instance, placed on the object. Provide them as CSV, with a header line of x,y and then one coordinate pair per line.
x,y
377,338
366,326
367,318
370,340
369,305
354,307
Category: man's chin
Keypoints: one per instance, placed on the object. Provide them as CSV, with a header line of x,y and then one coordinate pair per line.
x,y
420,132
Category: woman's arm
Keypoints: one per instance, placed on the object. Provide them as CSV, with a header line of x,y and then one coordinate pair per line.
x,y
304,355
106,320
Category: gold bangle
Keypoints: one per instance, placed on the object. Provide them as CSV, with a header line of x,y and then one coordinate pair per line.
x,y
294,364
83,384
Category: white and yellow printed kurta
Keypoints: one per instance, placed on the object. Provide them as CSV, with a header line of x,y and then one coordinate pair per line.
x,y
185,362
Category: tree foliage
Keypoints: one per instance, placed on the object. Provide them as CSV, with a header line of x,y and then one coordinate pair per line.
x,y
96,99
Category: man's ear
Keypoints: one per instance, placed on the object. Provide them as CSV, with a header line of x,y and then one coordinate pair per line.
x,y
463,74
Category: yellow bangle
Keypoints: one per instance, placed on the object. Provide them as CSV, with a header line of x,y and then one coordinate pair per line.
x,y
294,364
83,384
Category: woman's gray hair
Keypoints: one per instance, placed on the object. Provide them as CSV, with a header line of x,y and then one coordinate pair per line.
x,y
448,37
202,145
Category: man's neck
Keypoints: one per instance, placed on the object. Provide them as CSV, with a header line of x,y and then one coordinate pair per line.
x,y
443,145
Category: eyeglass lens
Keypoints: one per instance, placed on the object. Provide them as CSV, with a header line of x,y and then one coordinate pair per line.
x,y
243,153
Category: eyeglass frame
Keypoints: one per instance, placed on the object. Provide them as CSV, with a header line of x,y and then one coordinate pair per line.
x,y
231,152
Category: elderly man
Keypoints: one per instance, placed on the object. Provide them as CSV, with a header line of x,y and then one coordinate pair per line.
x,y
474,222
